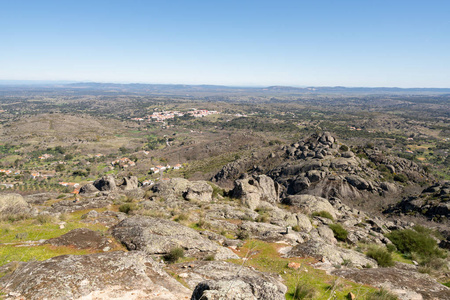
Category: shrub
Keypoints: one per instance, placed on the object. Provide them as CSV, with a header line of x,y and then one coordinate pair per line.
x,y
174,255
262,218
408,241
323,214
242,235
400,178
343,148
210,257
382,294
303,291
127,208
44,219
182,217
381,255
216,190
339,232
391,248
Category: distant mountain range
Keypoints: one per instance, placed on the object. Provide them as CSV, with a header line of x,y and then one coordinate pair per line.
x,y
182,88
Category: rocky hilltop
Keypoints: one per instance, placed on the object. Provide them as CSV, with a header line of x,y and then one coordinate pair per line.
x,y
280,231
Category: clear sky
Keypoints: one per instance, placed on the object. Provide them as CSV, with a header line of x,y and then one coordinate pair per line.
x,y
300,43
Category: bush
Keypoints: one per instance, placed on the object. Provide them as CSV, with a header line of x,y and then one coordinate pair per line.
x,y
381,255
391,248
323,214
339,232
382,294
127,208
44,219
408,241
174,255
242,235
400,178
303,291
343,148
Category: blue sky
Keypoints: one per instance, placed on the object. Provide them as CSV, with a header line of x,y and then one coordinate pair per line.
x,y
300,43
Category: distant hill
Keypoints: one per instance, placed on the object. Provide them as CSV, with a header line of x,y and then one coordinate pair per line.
x,y
181,89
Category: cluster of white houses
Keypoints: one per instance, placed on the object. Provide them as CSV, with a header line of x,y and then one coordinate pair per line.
x,y
165,115
158,169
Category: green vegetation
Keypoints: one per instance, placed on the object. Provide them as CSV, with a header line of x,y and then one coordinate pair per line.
x,y
339,232
264,257
381,255
174,255
127,208
323,214
382,294
410,241
303,291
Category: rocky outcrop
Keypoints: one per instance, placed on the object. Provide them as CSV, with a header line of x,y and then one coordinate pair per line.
x,y
158,236
331,254
320,166
68,206
223,280
433,203
232,171
179,188
82,238
124,275
109,184
310,204
41,198
11,204
254,189
404,283
106,183
129,183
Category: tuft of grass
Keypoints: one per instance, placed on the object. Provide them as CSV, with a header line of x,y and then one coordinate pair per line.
x,y
44,219
303,291
382,294
381,255
127,208
242,235
339,232
323,214
210,257
174,255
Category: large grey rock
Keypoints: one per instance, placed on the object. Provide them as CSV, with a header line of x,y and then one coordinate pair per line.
x,y
159,236
310,204
81,238
325,252
68,206
357,182
254,189
180,188
106,183
199,191
118,275
129,183
88,189
223,280
406,284
13,204
39,199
